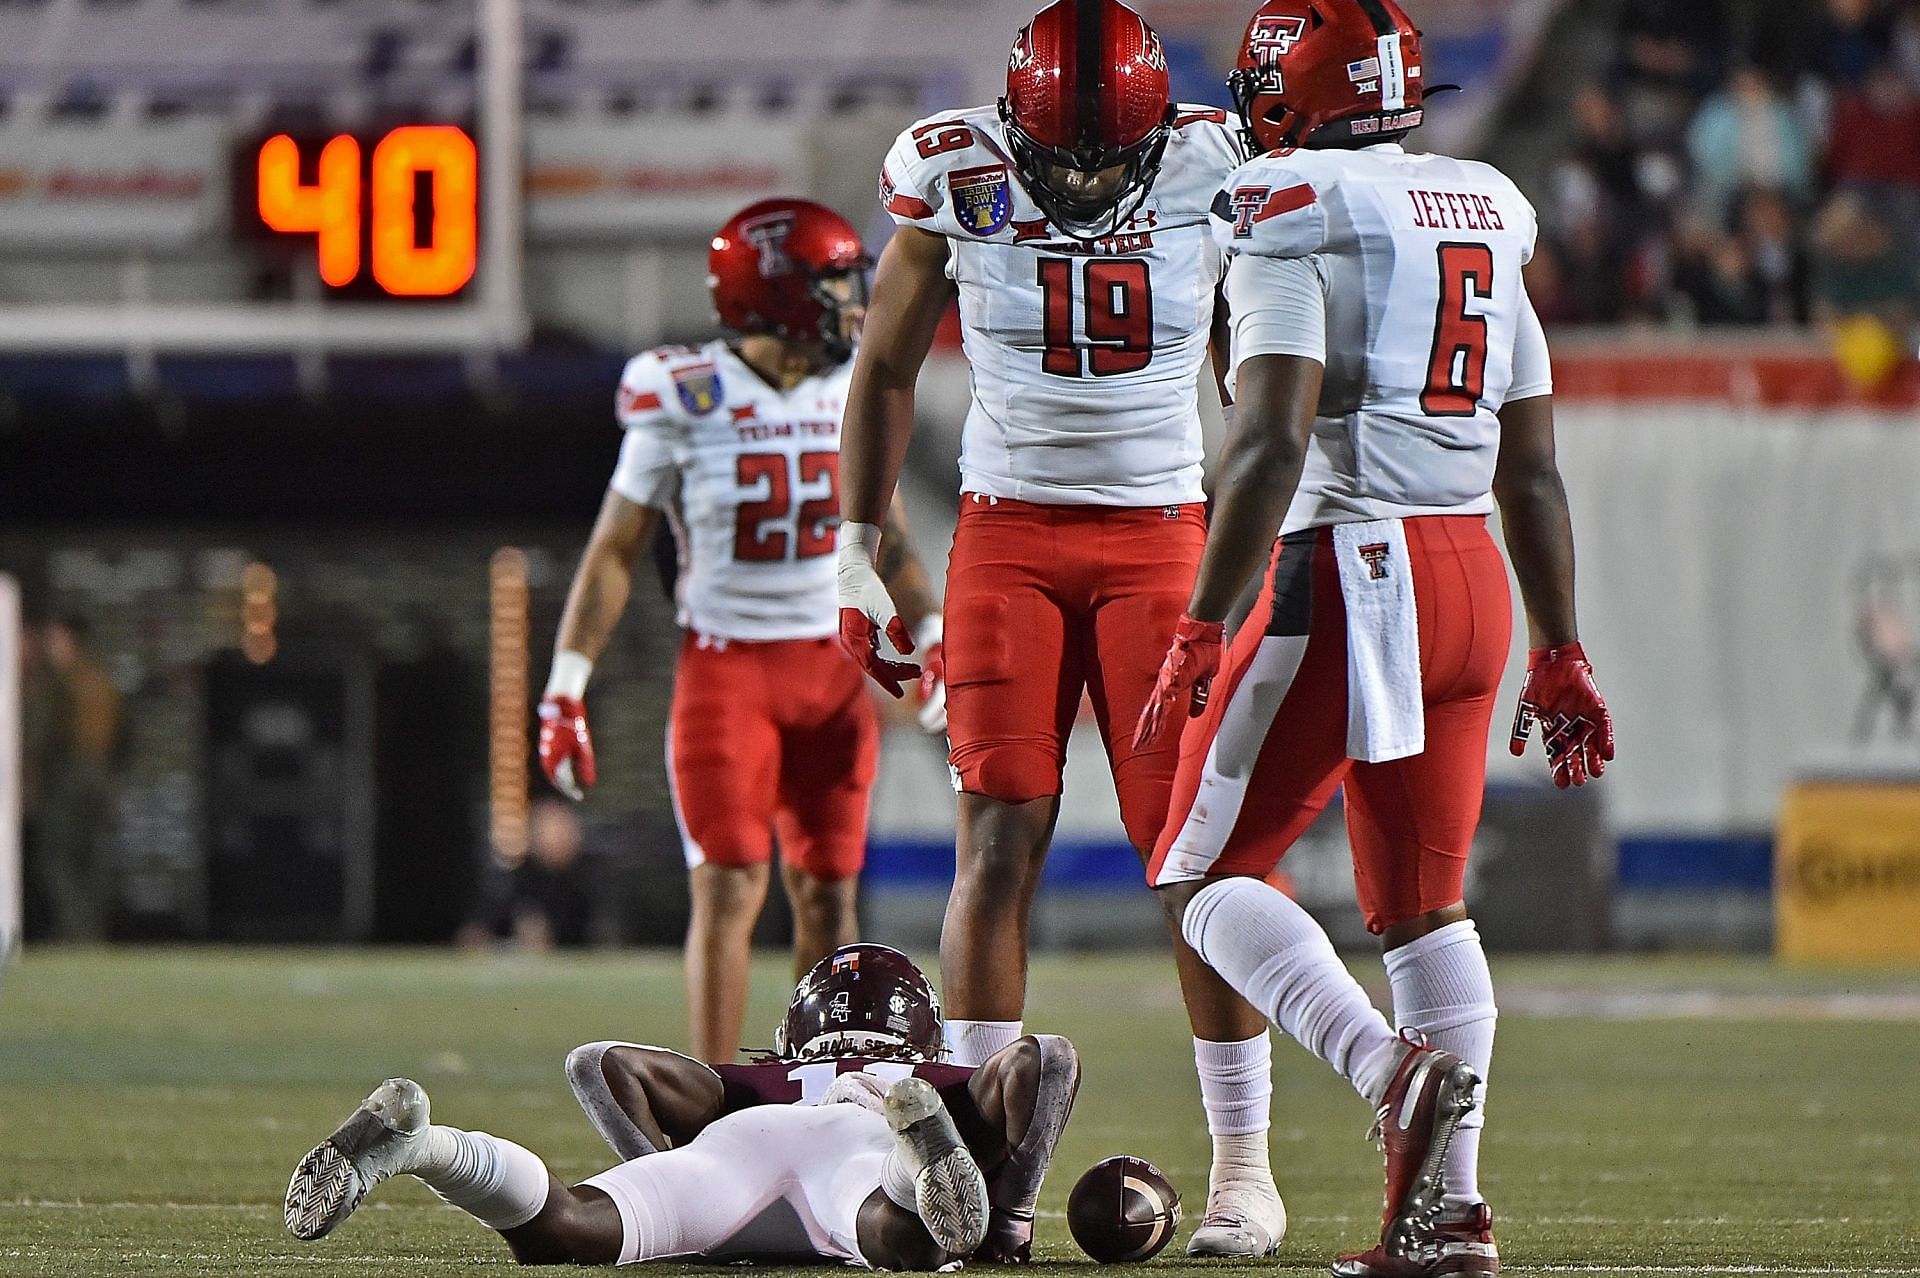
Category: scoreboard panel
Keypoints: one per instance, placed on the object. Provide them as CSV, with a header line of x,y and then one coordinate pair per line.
x,y
372,214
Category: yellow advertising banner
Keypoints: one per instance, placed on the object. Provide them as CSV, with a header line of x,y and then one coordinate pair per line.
x,y
1847,872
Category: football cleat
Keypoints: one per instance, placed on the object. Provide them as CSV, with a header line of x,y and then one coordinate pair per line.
x,y
1245,1219
1016,1185
378,1140
949,1193
1461,1244
1428,1095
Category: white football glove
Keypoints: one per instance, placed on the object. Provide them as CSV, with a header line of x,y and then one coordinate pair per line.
x,y
867,611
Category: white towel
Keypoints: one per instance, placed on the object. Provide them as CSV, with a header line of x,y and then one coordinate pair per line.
x,y
1386,715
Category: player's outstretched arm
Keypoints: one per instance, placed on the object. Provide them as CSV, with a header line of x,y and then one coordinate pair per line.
x,y
643,1100
910,294
1258,472
601,586
1559,692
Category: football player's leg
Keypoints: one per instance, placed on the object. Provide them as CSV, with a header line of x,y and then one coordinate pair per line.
x,y
1255,771
643,1099
711,1196
1021,1100
723,769
503,1186
1013,687
827,766
1142,599
1412,824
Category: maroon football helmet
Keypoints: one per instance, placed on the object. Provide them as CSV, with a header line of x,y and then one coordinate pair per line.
x,y
791,268
862,1000
1087,93
1327,74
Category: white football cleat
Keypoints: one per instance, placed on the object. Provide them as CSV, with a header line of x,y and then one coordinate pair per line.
x,y
1244,1219
949,1193
377,1140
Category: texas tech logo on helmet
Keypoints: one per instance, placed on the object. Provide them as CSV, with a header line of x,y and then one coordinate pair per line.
x,y
769,235
1272,38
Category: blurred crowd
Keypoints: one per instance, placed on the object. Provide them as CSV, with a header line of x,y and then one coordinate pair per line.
x,y
1745,163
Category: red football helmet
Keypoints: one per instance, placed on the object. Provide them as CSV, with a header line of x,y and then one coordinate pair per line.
x,y
1328,73
1087,93
791,268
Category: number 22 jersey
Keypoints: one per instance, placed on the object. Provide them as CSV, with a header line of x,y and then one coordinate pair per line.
x,y
1084,356
751,477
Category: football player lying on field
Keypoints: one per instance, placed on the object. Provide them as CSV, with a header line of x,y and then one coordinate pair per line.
x,y
854,1143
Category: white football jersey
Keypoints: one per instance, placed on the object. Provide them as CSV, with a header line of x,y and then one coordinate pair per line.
x,y
1084,357
751,477
1412,267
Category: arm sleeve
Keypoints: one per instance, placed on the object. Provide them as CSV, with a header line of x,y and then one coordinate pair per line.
x,y
1532,368
647,472
1278,307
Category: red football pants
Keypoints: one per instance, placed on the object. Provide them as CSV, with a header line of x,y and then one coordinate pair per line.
x,y
1271,749
1044,602
772,738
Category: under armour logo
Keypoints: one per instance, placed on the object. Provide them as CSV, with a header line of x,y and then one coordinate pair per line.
x,y
769,235
1272,38
1376,557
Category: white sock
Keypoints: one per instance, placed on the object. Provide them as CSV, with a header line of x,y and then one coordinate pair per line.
x,y
495,1181
896,1180
1441,986
1236,1087
969,1043
1280,960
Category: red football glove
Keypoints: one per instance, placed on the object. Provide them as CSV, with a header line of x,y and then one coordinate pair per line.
x,y
566,747
866,611
1191,664
1575,727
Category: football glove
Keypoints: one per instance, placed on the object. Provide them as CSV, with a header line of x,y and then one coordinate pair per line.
x,y
1192,662
928,638
1575,728
867,611
566,745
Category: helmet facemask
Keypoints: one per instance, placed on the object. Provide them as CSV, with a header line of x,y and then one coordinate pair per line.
x,y
1079,215
843,295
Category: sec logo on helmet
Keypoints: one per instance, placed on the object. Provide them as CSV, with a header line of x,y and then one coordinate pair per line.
x,y
982,199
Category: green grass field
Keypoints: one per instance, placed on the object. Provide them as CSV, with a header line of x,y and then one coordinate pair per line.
x,y
1674,1116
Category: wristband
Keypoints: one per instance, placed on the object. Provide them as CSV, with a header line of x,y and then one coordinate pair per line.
x,y
569,675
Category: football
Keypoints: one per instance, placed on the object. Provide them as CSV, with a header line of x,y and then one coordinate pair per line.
x,y
1123,1209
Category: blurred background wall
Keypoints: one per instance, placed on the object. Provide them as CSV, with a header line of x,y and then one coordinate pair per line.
x,y
292,552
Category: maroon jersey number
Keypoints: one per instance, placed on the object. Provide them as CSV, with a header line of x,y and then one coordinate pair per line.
x,y
1457,371
753,541
1118,296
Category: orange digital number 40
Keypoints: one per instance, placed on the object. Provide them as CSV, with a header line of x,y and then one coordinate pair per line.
x,y
330,209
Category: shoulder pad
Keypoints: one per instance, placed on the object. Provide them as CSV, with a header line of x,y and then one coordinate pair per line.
x,y
1271,208
915,180
665,386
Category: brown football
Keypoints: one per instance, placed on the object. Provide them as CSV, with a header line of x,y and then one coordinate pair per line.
x,y
1123,1210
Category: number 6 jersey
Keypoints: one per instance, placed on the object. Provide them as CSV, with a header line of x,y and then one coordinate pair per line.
x,y
1084,356
751,477
1401,275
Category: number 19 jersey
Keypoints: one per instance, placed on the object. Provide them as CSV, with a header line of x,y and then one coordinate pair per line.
x,y
751,476
1084,356
1401,275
